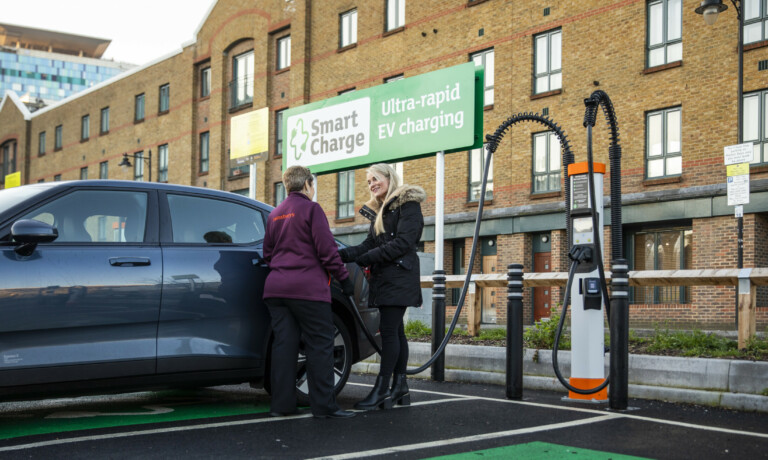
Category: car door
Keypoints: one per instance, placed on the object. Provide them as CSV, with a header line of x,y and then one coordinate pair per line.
x,y
86,305
212,315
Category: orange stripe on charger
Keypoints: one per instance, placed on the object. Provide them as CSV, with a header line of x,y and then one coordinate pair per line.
x,y
586,384
583,168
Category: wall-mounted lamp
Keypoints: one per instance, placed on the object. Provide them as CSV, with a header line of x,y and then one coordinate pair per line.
x,y
126,162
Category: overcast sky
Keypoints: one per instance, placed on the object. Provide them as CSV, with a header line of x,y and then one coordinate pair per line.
x,y
140,30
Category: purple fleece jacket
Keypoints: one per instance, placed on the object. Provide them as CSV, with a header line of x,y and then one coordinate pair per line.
x,y
301,251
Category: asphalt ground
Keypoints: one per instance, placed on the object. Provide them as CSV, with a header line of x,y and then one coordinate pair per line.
x,y
445,419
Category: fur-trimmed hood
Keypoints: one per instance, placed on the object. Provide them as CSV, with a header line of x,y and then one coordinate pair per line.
x,y
401,195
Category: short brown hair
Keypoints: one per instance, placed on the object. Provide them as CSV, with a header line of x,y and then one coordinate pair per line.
x,y
295,177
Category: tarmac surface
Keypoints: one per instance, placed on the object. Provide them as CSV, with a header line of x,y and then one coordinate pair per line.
x,y
456,420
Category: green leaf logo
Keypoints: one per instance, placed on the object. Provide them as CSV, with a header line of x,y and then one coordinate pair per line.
x,y
299,138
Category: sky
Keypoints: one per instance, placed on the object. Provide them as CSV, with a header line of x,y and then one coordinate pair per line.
x,y
140,30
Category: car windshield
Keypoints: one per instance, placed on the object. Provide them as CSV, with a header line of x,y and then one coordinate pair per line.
x,y
9,197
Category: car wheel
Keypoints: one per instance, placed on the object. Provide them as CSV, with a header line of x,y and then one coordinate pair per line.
x,y
342,363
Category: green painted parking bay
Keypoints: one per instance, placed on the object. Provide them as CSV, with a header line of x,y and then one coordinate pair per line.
x,y
536,450
178,407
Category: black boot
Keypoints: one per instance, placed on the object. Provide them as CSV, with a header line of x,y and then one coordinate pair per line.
x,y
378,397
400,394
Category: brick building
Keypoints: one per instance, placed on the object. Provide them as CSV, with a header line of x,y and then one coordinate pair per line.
x,y
672,80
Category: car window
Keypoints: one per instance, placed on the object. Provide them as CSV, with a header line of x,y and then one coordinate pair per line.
x,y
201,220
87,216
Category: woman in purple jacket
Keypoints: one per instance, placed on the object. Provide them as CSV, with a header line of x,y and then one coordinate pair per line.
x,y
302,256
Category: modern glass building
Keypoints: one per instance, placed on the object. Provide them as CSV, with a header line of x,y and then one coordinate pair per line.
x,y
43,66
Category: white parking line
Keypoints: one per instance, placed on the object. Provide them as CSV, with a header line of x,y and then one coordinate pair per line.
x,y
473,438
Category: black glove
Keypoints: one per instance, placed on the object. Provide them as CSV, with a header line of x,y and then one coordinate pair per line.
x,y
344,254
364,260
347,287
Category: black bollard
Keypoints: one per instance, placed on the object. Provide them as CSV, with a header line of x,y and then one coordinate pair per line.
x,y
619,323
514,331
438,323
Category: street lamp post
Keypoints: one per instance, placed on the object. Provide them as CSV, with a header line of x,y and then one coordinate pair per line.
x,y
710,9
126,163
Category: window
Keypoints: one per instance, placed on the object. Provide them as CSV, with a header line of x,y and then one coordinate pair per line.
x,y
165,98
205,82
546,162
241,87
138,166
8,158
41,143
162,163
58,136
138,112
203,164
345,91
84,173
485,58
394,78
57,178
755,20
665,32
85,128
756,125
279,192
395,14
664,155
87,216
548,72
284,52
661,249
104,126
279,132
346,203
476,170
225,222
348,28
104,170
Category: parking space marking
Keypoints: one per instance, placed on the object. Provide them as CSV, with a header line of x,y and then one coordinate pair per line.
x,y
127,434
472,438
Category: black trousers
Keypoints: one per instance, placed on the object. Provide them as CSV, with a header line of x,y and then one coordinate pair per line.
x,y
293,319
394,345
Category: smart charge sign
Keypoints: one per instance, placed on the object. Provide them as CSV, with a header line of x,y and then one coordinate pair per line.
x,y
409,118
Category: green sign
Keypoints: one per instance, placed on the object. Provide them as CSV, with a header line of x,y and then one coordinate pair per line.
x,y
405,119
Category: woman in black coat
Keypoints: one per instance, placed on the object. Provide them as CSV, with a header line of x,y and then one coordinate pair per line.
x,y
390,252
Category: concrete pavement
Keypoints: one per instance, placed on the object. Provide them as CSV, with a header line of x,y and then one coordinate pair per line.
x,y
731,384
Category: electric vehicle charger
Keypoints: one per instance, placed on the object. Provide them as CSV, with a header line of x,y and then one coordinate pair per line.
x,y
591,253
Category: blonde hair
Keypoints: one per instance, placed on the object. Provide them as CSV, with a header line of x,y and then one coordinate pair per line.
x,y
295,177
383,171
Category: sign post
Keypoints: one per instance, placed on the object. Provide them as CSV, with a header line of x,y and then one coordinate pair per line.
x,y
737,159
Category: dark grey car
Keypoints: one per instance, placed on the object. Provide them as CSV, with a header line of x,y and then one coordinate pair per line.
x,y
116,286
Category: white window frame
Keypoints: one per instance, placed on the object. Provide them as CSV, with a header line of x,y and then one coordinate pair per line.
x,y
664,41
162,163
486,59
165,98
546,146
660,148
348,28
203,163
395,14
755,127
755,20
283,52
85,127
548,61
345,202
476,168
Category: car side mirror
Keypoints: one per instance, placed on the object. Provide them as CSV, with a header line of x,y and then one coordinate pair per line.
x,y
29,233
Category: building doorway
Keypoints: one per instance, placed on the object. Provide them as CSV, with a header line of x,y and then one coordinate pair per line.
x,y
489,299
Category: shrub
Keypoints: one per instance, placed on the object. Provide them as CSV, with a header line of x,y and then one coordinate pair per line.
x,y
416,329
542,334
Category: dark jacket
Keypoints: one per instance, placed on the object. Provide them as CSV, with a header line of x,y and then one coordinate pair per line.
x,y
301,252
391,256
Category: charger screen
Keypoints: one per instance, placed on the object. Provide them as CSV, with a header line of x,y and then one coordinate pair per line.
x,y
582,225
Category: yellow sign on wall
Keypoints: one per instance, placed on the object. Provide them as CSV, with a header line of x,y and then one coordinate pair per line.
x,y
249,137
13,179
739,169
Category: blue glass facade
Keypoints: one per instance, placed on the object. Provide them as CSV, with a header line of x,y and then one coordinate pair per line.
x,y
49,78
